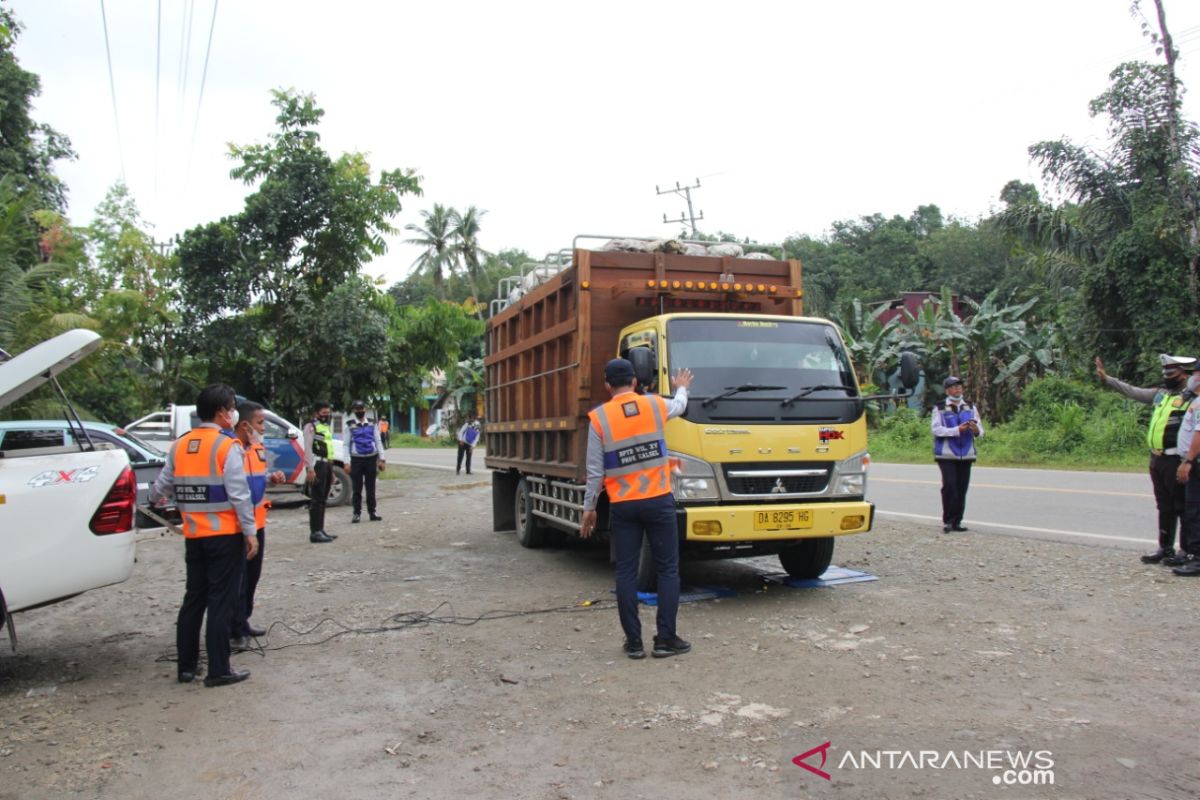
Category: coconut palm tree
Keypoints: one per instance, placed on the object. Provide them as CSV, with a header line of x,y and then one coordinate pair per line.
x,y
465,248
437,239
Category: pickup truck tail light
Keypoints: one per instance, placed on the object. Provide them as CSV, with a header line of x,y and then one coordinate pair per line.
x,y
115,514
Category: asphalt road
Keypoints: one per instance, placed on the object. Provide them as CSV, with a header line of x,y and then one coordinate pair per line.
x,y
1114,509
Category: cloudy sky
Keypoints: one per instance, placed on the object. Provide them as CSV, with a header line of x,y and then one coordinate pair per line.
x,y
561,118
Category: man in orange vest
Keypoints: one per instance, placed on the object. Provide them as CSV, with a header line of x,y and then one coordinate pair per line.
x,y
206,473
627,453
251,425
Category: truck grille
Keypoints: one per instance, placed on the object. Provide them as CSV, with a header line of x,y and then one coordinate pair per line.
x,y
777,478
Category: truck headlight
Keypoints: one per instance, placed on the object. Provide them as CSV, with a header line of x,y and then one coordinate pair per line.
x,y
850,476
692,479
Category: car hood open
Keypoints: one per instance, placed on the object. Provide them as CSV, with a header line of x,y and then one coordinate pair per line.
x,y
26,371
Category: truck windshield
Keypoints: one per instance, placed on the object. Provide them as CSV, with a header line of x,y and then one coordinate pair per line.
x,y
792,355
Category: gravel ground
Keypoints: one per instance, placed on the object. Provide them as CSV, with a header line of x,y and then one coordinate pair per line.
x,y
428,656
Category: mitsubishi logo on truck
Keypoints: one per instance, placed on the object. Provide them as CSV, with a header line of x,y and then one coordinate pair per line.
x,y
778,488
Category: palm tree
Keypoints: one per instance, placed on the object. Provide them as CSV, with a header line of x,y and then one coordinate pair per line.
x,y
466,243
436,238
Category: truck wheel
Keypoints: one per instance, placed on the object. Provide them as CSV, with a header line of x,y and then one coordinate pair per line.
x,y
530,532
339,488
808,558
647,574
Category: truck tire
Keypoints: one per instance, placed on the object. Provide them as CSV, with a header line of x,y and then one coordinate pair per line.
x,y
339,488
808,558
530,532
647,573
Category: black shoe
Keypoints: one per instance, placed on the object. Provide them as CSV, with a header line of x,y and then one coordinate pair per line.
x,y
947,528
468,472
239,644
356,518
235,676
633,648
375,517
670,647
253,631
319,536
1160,555
184,676
1173,560
958,528
1192,567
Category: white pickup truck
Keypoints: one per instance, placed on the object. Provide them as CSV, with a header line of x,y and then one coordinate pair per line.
x,y
66,512
283,441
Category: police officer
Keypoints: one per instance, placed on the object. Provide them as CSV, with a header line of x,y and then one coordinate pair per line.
x,y
205,471
1169,404
627,453
363,451
251,425
956,425
318,464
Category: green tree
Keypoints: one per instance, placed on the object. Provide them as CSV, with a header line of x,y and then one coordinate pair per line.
x,y
436,236
466,248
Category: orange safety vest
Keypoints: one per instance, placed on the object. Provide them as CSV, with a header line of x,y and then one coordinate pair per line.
x,y
636,466
256,476
200,484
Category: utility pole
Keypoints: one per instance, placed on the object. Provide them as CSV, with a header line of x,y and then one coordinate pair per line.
x,y
686,192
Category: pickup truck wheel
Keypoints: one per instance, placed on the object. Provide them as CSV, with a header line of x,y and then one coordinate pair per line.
x,y
530,532
339,488
808,558
647,574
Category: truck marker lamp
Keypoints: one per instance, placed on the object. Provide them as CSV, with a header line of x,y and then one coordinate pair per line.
x,y
761,288
772,289
725,286
706,527
688,284
586,284
650,284
737,287
849,523
676,285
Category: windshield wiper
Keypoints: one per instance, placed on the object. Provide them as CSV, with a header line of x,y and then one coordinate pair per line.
x,y
730,391
807,390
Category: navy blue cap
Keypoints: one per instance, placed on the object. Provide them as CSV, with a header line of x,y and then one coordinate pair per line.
x,y
618,372
951,381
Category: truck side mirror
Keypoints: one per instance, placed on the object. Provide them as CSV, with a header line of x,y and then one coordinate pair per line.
x,y
910,370
644,366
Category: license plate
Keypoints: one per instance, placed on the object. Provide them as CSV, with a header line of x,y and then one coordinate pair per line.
x,y
782,520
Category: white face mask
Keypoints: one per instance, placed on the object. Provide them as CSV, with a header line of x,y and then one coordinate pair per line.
x,y
256,437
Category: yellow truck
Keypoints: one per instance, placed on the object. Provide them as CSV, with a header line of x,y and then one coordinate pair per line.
x,y
770,456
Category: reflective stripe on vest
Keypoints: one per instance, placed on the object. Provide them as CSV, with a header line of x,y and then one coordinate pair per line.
x,y
636,466
1165,419
200,456
256,476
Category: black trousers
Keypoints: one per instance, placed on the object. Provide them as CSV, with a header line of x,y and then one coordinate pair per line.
x,y
245,604
318,493
463,450
1169,497
956,477
655,519
364,469
1189,529
214,574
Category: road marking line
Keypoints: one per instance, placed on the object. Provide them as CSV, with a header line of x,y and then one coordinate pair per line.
x,y
1055,531
1022,488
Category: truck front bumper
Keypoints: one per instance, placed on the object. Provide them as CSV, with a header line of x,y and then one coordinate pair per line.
x,y
746,523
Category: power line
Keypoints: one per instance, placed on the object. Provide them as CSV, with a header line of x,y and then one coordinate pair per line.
x,y
200,101
112,88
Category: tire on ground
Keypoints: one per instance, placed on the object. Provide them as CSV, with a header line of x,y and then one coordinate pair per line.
x,y
808,558
530,531
339,488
